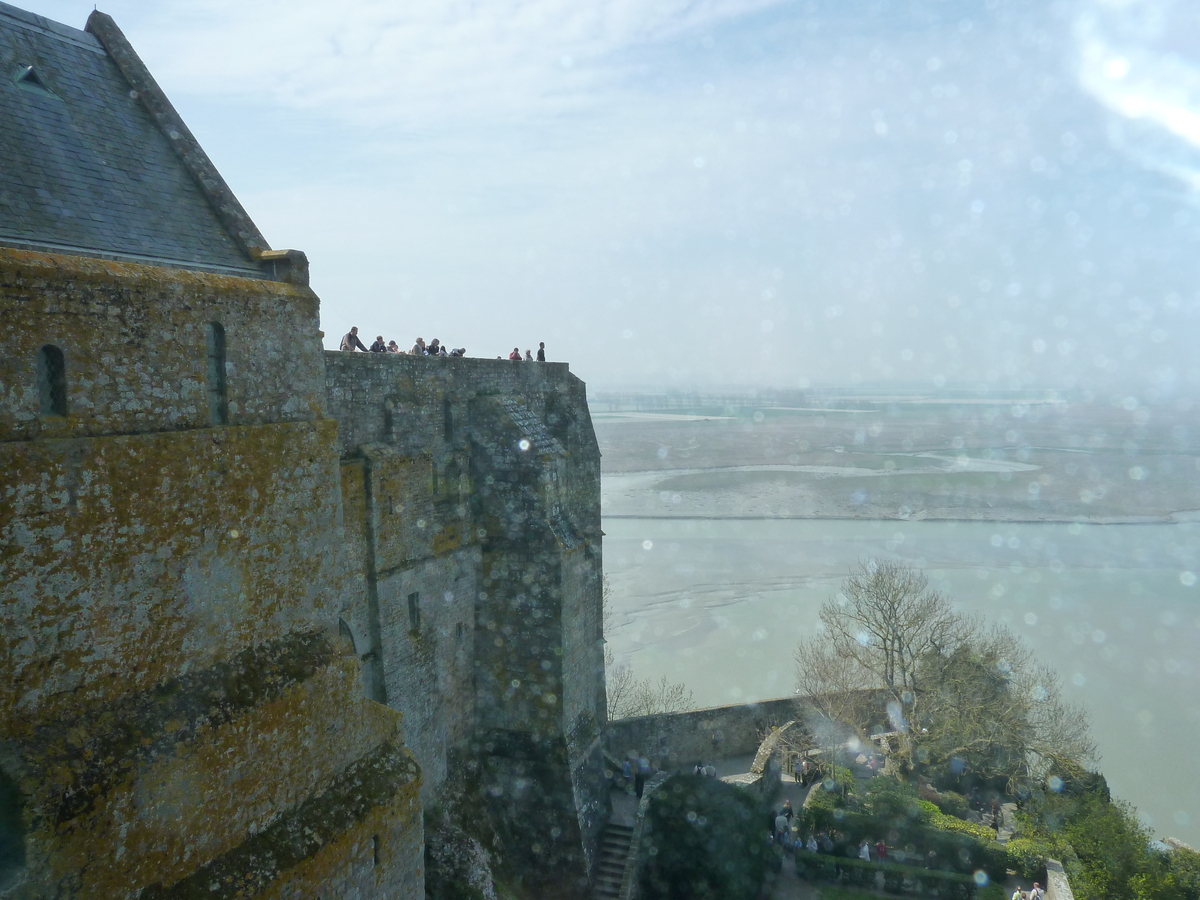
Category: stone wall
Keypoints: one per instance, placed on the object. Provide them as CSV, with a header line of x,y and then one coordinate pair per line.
x,y
177,709
133,339
476,484
215,598
682,739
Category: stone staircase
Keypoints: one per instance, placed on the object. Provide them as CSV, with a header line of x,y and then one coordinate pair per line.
x,y
614,855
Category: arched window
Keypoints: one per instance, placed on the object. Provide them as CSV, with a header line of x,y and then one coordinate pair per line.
x,y
12,831
218,409
52,381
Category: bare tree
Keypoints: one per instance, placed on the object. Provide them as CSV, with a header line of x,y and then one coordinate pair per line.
x,y
958,689
835,685
629,696
874,636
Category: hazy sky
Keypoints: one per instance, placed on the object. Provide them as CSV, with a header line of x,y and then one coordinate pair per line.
x,y
673,192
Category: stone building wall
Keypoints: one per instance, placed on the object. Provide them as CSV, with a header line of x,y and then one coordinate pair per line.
x,y
177,709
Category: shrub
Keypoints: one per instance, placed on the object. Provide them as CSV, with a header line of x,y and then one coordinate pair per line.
x,y
952,804
948,823
704,840
1028,857
896,878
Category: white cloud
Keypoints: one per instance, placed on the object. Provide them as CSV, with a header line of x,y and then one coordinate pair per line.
x,y
414,63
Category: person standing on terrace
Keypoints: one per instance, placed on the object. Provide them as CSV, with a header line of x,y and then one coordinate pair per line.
x,y
351,342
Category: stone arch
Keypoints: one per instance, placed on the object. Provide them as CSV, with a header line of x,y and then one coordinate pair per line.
x,y
345,631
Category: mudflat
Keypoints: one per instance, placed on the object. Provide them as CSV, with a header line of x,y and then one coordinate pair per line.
x,y
1050,461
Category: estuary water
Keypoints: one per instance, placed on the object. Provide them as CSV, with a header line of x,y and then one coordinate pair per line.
x,y
719,603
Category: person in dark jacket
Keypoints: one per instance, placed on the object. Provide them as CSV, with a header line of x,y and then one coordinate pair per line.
x,y
379,346
541,357
351,342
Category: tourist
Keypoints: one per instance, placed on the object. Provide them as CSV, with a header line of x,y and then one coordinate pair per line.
x,y
393,347
1036,892
516,354
434,348
541,352
418,349
643,772
787,811
798,769
710,771
627,775
806,771
1019,894
811,846
528,356
864,852
379,346
351,342
826,842
881,851
781,827
459,351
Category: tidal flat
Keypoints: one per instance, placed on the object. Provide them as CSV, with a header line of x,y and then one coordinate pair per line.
x,y
717,569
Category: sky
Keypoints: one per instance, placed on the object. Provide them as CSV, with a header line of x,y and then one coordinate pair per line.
x,y
721,193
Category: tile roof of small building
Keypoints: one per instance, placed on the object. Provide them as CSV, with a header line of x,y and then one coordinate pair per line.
x,y
95,161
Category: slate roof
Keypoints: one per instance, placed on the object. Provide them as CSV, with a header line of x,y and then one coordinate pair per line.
x,y
91,165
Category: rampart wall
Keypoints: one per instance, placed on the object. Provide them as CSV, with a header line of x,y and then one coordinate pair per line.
x,y
476,610
683,739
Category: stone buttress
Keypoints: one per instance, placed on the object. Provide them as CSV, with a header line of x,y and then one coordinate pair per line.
x,y
478,613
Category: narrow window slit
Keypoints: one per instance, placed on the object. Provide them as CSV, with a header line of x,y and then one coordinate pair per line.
x,y
218,407
52,381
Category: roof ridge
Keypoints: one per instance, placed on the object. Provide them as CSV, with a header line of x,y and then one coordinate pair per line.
x,y
229,210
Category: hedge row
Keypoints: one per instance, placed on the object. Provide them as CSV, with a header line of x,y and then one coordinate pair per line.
x,y
897,878
961,850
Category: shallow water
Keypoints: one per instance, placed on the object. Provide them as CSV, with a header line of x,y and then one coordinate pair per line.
x,y
1115,609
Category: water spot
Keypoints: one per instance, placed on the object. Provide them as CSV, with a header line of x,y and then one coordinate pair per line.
x,y
1137,473
981,878
1187,579
663,452
523,444
1099,636
233,533
647,545
1078,679
1054,783
1030,618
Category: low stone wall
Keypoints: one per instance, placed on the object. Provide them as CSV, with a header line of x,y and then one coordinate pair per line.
x,y
1057,885
676,740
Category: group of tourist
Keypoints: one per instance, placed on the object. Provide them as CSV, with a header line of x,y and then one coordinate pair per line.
x,y
528,357
352,342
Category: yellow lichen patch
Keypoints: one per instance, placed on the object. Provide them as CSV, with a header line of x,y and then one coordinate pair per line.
x,y
119,584
179,810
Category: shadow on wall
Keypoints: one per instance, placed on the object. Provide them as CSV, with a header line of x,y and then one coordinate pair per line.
x,y
12,832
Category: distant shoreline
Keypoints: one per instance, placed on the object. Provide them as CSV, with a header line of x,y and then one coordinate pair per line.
x,y
1047,520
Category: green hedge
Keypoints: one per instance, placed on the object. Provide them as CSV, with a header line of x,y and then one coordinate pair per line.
x,y
1028,857
963,849
897,878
